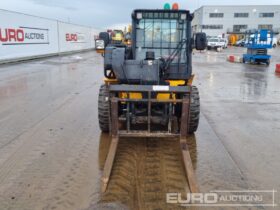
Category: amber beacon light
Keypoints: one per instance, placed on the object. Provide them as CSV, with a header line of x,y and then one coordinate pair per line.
x,y
175,6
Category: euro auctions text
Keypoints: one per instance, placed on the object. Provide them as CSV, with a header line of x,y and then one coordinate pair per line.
x,y
23,35
224,198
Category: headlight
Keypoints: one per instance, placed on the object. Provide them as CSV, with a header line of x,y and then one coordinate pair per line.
x,y
183,16
139,15
99,44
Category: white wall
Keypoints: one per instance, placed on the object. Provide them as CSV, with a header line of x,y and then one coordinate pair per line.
x,y
23,36
73,37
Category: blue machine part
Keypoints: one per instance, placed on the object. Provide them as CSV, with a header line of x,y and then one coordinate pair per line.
x,y
257,43
263,35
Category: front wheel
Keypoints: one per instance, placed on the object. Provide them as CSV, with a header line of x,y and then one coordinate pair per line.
x,y
103,108
194,110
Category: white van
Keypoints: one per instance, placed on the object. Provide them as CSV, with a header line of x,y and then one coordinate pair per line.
x,y
225,41
215,43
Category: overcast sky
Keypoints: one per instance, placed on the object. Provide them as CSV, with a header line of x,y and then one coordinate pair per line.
x,y
105,13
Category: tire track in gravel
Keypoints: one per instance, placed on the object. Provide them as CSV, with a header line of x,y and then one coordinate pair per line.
x,y
122,185
144,171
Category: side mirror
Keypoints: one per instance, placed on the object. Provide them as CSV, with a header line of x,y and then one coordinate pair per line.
x,y
99,44
200,41
105,37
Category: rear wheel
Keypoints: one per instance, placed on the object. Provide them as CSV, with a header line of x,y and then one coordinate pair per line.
x,y
103,108
194,110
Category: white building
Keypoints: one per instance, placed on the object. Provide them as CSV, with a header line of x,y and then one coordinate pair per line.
x,y
219,20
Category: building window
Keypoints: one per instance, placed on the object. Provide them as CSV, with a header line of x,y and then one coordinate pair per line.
x,y
270,27
239,28
216,15
212,26
267,15
241,15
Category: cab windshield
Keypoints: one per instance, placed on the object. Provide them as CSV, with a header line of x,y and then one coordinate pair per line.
x,y
161,35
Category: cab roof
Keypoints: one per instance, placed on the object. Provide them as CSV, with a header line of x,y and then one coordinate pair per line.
x,y
187,12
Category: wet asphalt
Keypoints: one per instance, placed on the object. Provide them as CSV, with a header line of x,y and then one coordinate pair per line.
x,y
52,151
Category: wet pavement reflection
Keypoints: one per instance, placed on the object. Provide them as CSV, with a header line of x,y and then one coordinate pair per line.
x,y
253,86
241,103
52,152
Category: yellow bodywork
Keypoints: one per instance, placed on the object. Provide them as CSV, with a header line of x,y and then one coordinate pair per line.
x,y
110,81
128,42
100,51
165,96
118,36
135,95
160,96
131,95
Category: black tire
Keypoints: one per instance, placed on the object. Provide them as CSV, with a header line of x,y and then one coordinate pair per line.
x,y
194,110
103,108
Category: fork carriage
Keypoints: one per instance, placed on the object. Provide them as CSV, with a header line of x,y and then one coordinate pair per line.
x,y
123,124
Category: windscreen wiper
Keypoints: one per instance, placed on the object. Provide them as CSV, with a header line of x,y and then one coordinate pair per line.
x,y
176,51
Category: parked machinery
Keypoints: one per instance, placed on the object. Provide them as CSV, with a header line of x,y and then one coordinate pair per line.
x,y
113,38
117,37
128,36
148,89
257,43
